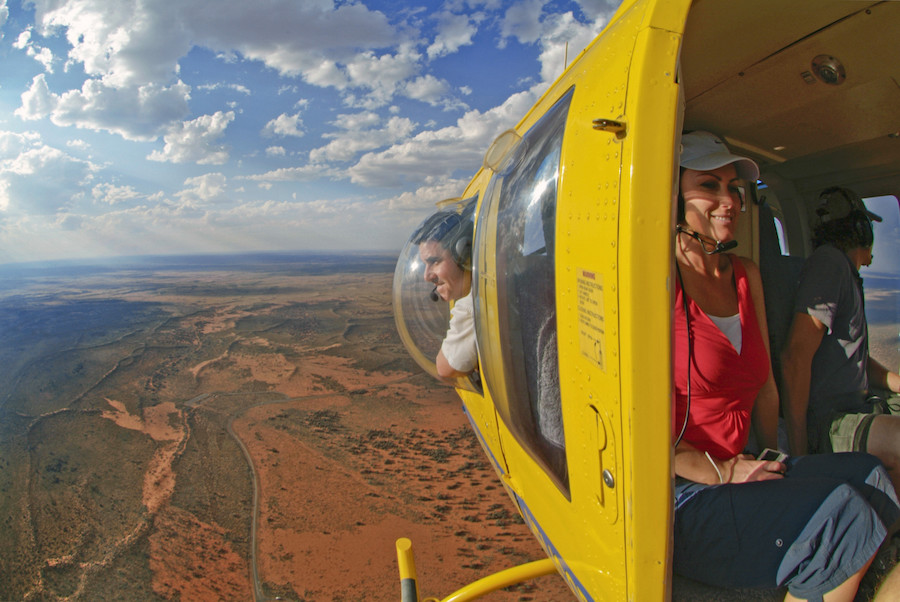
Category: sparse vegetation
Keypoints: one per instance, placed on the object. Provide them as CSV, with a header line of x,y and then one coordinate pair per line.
x,y
329,383
324,421
72,507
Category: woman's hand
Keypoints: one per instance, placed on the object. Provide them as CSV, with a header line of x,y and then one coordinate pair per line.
x,y
746,469
700,467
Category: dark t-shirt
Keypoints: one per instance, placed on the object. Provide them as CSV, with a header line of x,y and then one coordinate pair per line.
x,y
830,289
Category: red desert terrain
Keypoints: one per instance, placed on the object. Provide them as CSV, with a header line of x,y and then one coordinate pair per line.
x,y
346,461
157,426
340,478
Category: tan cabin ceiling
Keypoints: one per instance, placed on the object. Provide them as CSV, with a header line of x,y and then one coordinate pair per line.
x,y
746,68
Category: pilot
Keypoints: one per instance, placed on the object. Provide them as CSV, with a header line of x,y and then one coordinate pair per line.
x,y
445,248
828,371
811,524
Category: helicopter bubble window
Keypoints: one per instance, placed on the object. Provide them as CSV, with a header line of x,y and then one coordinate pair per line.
x,y
422,317
523,375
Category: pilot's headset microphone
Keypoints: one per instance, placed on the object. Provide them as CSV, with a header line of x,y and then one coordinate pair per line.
x,y
454,232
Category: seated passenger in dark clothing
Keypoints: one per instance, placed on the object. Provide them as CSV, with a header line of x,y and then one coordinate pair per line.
x,y
826,364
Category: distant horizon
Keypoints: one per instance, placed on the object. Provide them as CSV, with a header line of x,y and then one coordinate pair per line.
x,y
163,257
871,272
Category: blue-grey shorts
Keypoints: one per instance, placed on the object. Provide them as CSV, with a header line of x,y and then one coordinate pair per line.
x,y
809,531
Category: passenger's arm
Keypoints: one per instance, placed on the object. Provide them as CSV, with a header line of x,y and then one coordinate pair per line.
x,y
459,343
693,465
881,377
765,409
445,370
696,466
796,365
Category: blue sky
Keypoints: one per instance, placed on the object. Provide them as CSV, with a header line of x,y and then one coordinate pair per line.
x,y
886,251
150,127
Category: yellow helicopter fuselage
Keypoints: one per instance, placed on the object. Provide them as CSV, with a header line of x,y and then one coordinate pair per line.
x,y
573,247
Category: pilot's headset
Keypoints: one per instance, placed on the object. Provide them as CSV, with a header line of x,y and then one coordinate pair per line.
x,y
453,230
841,213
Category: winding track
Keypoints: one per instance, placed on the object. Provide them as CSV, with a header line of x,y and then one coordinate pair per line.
x,y
258,593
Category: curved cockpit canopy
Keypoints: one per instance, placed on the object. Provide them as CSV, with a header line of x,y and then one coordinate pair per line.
x,y
421,315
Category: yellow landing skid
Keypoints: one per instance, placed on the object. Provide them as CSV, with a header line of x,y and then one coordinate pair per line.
x,y
409,590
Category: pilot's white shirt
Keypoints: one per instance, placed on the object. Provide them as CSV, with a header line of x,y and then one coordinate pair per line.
x,y
459,344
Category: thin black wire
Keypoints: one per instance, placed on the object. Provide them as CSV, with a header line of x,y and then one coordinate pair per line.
x,y
690,342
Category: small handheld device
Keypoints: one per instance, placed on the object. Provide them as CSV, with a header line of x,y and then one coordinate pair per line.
x,y
772,455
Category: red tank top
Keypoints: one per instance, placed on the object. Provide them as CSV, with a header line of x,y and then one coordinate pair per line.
x,y
724,383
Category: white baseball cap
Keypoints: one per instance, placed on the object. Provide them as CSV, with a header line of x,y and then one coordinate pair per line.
x,y
704,151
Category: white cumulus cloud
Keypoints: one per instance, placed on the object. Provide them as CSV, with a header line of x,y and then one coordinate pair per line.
x,y
202,190
383,74
183,77
564,37
225,86
38,101
12,144
110,194
285,125
305,173
39,179
127,43
140,113
425,197
427,88
443,151
349,143
78,143
558,35
522,21
40,54
195,141
137,113
454,31
24,38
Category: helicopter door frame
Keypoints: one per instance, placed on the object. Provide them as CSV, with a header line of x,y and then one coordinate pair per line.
x,y
613,288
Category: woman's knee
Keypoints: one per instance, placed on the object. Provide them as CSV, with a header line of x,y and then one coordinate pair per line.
x,y
838,541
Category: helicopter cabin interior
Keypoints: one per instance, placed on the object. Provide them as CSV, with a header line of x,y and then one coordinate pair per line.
x,y
573,248
815,108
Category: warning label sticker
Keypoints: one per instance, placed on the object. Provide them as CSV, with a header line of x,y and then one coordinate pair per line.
x,y
591,327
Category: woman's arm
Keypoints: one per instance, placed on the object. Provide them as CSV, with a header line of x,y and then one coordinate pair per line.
x,y
699,467
694,465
